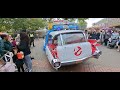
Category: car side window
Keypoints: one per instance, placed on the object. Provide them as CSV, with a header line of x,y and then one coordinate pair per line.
x,y
50,39
57,40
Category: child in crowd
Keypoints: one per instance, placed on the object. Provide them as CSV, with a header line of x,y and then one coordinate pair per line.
x,y
18,59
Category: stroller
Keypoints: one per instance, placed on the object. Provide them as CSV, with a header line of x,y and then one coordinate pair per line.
x,y
112,43
6,63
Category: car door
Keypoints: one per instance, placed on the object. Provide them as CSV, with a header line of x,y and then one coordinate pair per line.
x,y
74,47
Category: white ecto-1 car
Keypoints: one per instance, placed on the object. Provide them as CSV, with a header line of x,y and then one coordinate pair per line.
x,y
67,47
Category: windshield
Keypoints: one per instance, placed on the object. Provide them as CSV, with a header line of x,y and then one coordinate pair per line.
x,y
72,38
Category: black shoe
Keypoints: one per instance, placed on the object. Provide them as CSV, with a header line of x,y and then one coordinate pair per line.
x,y
32,57
26,70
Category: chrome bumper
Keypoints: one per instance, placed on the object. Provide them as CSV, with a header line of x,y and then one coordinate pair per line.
x,y
95,55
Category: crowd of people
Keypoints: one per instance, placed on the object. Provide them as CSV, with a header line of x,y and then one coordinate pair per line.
x,y
20,47
109,38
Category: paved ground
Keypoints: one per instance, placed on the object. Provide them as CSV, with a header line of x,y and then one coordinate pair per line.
x,y
109,61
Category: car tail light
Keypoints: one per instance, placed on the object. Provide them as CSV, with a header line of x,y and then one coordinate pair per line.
x,y
54,53
94,44
56,63
93,48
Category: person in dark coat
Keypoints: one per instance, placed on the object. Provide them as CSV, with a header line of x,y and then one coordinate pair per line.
x,y
98,35
24,46
93,35
6,45
32,37
106,38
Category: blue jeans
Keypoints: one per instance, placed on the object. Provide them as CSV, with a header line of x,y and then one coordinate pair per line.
x,y
28,62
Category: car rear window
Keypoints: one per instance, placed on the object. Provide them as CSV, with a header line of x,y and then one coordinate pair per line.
x,y
72,38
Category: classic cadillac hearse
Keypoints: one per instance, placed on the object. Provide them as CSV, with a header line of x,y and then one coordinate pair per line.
x,y
65,47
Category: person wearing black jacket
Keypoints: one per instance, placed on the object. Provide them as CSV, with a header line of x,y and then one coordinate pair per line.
x,y
98,35
32,37
106,38
93,35
24,46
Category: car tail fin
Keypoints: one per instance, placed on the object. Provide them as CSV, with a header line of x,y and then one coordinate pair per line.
x,y
94,42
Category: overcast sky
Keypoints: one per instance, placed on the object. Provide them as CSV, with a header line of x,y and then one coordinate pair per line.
x,y
90,21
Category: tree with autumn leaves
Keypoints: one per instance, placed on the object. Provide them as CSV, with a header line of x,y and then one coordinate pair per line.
x,y
14,24
81,21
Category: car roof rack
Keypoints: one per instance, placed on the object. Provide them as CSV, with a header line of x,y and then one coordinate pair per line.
x,y
70,26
